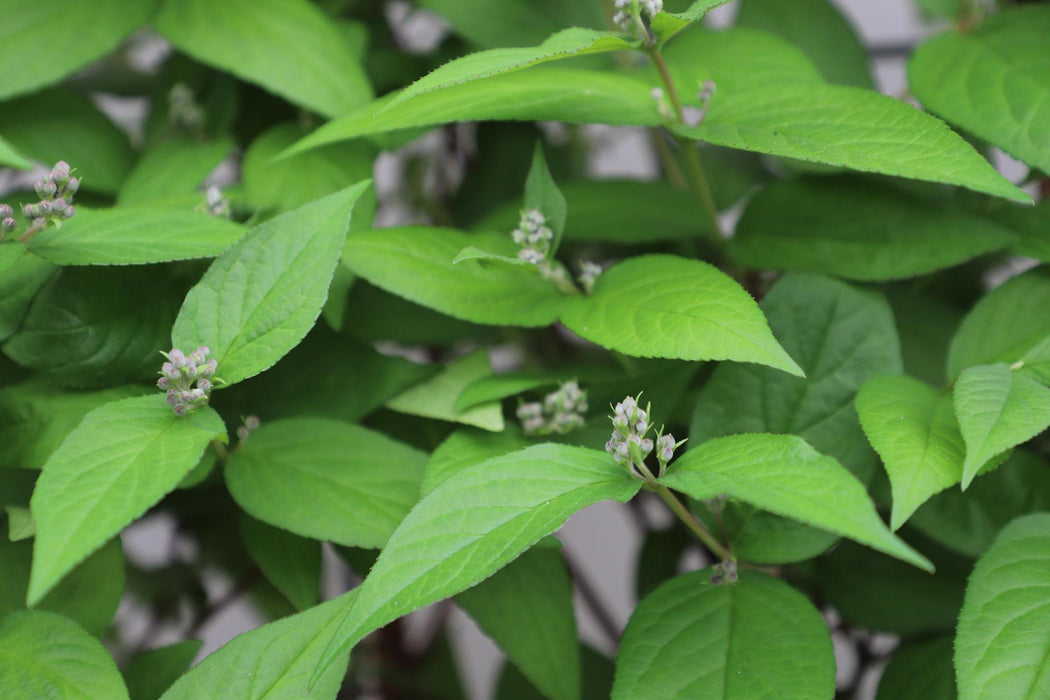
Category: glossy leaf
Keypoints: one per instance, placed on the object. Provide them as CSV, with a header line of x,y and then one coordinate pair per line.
x,y
1006,325
100,479
44,655
914,430
543,194
83,329
291,563
664,306
858,229
527,610
541,94
173,167
575,41
473,524
417,264
465,448
12,158
994,82
288,47
135,236
436,398
819,29
261,297
326,480
1001,648
692,639
272,662
35,416
18,285
89,595
85,32
151,673
667,24
997,409
784,475
920,671
840,335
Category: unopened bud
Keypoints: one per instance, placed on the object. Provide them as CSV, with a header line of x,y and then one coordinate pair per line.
x,y
69,212
73,185
177,358
204,385
251,422
59,205
6,211
44,207
179,409
8,224
61,171
30,211
163,383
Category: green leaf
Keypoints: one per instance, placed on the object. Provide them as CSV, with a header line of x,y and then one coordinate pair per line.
x,y
690,638
259,299
495,387
81,32
920,671
567,43
12,158
858,229
291,563
659,558
135,236
436,398
665,306
83,329
817,28
926,325
1002,648
542,193
667,24
873,591
993,82
290,48
20,525
151,673
44,655
997,409
473,524
847,127
968,522
475,253
272,662
89,595
784,475
1006,325
61,125
608,210
516,22
175,166
10,253
596,668
291,182
101,478
540,94
840,335
18,285
326,480
416,263
465,448
36,416
914,430
526,608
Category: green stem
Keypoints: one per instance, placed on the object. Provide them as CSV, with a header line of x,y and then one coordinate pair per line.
x,y
693,523
692,158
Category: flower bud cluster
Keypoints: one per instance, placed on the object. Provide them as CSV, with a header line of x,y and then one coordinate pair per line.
x,y
624,8
183,109
187,379
589,273
250,423
215,204
7,220
561,411
629,444
724,572
534,236
56,200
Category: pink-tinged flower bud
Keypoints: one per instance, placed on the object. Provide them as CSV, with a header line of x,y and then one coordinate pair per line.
x,y
203,351
190,370
8,224
59,205
177,358
61,171
641,426
163,383
208,368
45,189
44,207
622,450
6,211
30,211
610,445
69,212
169,371
252,422
171,397
204,385
197,395
621,424
73,185
179,409
242,433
